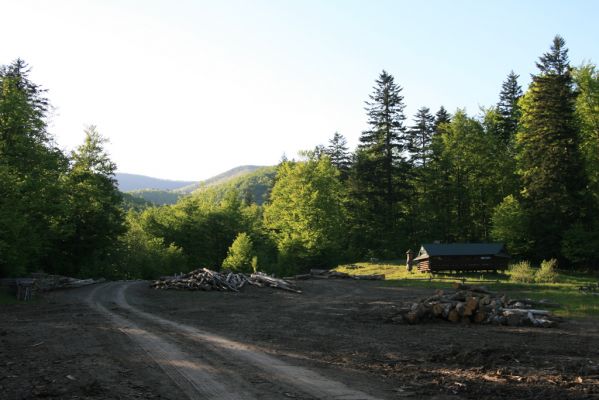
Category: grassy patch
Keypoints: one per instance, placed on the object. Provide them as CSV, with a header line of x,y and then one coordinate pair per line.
x,y
7,298
574,303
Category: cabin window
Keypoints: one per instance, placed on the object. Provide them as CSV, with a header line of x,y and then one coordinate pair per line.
x,y
485,258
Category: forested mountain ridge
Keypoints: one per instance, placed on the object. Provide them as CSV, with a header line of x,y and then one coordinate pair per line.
x,y
171,196
218,179
129,182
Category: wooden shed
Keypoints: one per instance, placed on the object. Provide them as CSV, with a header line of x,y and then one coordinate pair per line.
x,y
436,257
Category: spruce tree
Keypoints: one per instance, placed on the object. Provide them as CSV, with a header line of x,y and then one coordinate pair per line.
x,y
508,109
441,117
420,137
337,150
379,174
549,162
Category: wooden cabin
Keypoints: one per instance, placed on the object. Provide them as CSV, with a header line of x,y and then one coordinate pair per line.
x,y
462,257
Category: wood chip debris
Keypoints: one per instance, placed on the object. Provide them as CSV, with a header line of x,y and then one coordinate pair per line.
x,y
328,274
475,304
207,280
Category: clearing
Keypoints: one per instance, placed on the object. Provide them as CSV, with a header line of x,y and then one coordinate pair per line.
x,y
125,340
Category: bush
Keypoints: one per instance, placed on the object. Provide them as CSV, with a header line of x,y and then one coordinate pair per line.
x,y
548,272
522,272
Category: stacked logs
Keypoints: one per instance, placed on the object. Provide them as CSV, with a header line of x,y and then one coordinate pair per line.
x,y
472,304
328,274
207,280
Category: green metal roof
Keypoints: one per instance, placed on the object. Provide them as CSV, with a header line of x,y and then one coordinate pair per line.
x,y
462,249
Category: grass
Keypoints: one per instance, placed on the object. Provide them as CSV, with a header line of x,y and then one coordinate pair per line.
x,y
7,298
574,303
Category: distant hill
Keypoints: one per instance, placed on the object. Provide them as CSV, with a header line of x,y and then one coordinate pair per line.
x,y
162,191
219,179
129,182
254,186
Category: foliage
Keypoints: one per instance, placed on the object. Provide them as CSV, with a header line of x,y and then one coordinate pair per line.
x,y
510,226
508,108
240,256
547,273
377,181
580,244
549,162
144,256
522,272
156,196
31,197
305,214
586,79
337,151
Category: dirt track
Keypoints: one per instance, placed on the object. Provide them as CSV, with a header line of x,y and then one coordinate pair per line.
x,y
124,340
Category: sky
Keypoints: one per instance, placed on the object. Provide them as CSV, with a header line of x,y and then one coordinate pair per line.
x,y
189,89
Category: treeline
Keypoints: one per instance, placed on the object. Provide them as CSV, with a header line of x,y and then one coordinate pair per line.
x,y
524,172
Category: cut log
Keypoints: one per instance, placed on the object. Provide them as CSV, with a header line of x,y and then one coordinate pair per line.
x,y
453,315
471,306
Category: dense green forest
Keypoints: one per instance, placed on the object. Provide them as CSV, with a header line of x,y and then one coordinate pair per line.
x,y
525,171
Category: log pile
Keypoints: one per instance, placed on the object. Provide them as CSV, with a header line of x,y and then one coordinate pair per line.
x,y
328,274
473,304
207,280
46,282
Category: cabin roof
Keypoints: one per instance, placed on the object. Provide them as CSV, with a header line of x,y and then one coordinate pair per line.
x,y
461,249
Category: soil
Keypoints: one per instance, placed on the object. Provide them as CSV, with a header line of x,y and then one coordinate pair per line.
x,y
123,340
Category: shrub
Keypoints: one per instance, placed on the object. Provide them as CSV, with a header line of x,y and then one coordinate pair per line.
x,y
522,272
548,272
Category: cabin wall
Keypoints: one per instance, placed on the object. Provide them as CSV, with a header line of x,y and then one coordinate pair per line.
x,y
462,263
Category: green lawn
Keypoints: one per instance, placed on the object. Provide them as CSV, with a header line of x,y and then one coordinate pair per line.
x,y
574,303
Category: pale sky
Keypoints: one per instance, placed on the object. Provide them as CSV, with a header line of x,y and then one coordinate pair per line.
x,y
189,89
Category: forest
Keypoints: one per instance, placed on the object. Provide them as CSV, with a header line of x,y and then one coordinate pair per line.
x,y
524,172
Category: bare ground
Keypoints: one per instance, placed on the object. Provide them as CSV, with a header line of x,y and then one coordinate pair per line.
x,y
124,340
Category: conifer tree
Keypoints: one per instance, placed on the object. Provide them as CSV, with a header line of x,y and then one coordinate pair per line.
x,y
508,109
338,152
549,162
441,117
378,178
421,136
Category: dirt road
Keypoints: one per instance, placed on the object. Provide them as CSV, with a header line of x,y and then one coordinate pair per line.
x,y
123,340
208,366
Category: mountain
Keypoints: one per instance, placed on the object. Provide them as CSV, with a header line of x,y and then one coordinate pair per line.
x,y
253,186
129,182
163,191
218,179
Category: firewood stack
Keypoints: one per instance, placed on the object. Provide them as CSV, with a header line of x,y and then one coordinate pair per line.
x,y
472,304
206,280
329,274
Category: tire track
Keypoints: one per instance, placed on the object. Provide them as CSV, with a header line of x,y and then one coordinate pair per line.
x,y
205,377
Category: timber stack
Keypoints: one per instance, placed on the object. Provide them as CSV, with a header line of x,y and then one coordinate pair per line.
x,y
328,274
207,280
474,304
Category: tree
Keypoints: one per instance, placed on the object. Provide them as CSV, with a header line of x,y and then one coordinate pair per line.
x,y
95,217
587,110
240,254
508,108
380,170
510,226
441,117
337,151
305,214
549,162
31,197
420,137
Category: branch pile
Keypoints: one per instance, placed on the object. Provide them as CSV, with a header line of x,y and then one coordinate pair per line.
x,y
328,274
206,279
478,305
45,282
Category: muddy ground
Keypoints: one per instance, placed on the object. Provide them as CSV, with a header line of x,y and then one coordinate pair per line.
x,y
61,347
